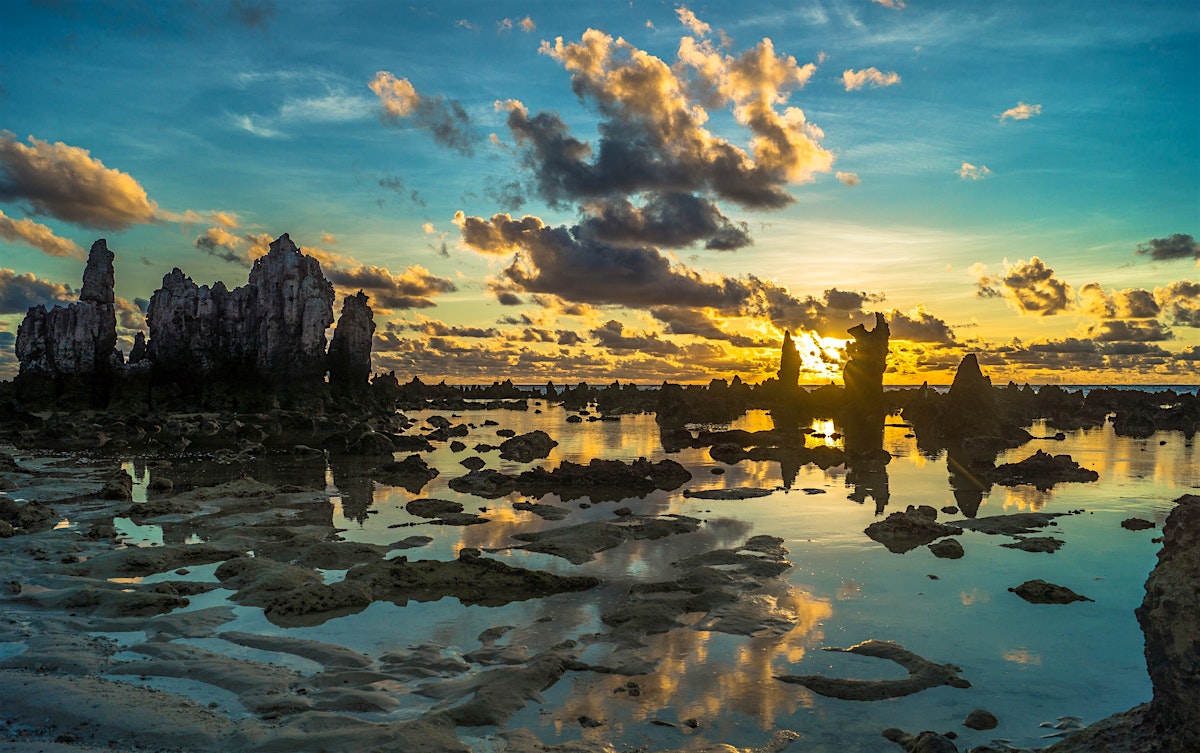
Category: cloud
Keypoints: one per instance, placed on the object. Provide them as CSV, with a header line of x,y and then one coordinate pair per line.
x,y
414,288
1021,112
854,80
612,335
67,183
681,320
1029,287
1180,301
527,25
673,220
219,242
694,24
251,13
19,292
919,326
1122,330
850,179
1117,304
893,4
29,233
129,315
445,119
435,328
972,172
652,130
1178,246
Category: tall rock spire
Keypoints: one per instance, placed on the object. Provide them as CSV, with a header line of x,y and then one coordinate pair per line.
x,y
789,362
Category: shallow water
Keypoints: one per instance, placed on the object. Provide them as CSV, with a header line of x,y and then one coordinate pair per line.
x,y
1026,663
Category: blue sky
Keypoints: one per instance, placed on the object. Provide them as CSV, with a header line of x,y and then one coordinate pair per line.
x,y
984,173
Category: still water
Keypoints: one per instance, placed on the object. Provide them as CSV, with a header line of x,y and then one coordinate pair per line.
x,y
1026,663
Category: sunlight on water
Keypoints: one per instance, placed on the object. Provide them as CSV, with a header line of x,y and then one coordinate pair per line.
x,y
1026,663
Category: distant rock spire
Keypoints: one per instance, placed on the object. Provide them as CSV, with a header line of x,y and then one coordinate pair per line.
x,y
789,362
350,348
863,373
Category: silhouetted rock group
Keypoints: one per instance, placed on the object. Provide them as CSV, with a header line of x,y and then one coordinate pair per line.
x,y
245,345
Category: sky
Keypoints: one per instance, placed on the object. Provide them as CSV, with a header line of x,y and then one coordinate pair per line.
x,y
634,191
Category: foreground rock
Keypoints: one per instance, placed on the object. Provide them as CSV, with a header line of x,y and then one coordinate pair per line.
x,y
527,447
904,531
922,675
580,543
922,742
1040,592
1042,470
599,479
1170,722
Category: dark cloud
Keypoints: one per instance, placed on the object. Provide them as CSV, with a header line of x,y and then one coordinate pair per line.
x,y
66,182
568,337
226,246
252,13
508,299
435,328
686,321
19,292
1180,301
445,119
612,335
142,303
673,220
1178,246
129,314
564,263
396,183
509,195
921,327
1127,330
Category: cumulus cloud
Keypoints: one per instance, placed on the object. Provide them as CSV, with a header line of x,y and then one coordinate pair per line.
x,y
35,235
227,246
680,320
1124,330
1180,301
1022,111
673,220
445,119
435,328
414,288
694,24
973,172
919,326
850,179
67,183
1178,246
130,315
612,335
854,80
893,4
527,25
1117,304
1029,287
19,292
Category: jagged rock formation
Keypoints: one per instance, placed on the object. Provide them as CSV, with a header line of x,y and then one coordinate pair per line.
x,y
76,342
789,363
863,373
350,348
971,408
272,329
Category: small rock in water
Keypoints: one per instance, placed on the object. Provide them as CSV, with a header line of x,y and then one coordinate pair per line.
x,y
981,719
1040,592
1136,524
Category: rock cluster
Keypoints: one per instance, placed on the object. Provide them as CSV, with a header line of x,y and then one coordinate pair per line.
x,y
272,328
268,334
76,342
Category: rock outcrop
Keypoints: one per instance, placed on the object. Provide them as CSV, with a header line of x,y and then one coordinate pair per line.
x,y
350,347
74,343
270,330
863,373
789,363
1170,722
